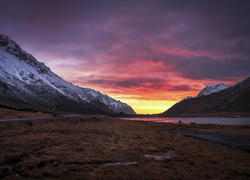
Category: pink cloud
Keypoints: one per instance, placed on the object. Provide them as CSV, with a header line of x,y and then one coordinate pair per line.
x,y
139,49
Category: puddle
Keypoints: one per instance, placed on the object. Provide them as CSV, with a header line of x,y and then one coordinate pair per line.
x,y
151,148
55,163
17,175
160,157
120,163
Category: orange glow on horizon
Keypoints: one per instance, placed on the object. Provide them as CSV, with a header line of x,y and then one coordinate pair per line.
x,y
158,103
149,106
148,90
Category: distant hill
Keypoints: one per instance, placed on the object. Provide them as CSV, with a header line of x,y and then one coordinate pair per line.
x,y
26,83
231,99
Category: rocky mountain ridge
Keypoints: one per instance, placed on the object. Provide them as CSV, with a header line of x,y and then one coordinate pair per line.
x,y
231,99
27,82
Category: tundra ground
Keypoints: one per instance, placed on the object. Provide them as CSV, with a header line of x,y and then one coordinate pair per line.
x,y
99,147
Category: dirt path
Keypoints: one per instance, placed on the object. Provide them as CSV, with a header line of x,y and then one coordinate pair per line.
x,y
234,140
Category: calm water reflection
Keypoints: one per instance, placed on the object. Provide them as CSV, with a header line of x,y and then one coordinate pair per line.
x,y
203,120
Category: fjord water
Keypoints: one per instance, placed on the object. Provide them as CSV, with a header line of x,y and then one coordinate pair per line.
x,y
198,120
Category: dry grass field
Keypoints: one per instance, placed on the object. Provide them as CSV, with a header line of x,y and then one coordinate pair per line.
x,y
85,148
6,113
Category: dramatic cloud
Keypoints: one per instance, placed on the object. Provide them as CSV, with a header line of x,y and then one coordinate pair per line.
x,y
135,49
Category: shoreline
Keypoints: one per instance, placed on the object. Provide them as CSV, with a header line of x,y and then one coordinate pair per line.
x,y
195,120
223,114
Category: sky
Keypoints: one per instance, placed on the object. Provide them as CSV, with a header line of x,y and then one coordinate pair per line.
x,y
149,54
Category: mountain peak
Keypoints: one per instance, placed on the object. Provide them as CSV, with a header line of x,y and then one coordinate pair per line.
x,y
209,89
11,46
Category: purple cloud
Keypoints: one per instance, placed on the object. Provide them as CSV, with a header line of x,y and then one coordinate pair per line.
x,y
191,39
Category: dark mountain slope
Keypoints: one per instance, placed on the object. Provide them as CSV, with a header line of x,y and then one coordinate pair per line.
x,y
28,83
232,99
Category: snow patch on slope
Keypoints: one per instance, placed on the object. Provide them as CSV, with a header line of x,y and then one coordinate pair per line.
x,y
212,88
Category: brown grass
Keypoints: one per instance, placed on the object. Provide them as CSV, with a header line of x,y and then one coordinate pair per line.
x,y
6,113
79,148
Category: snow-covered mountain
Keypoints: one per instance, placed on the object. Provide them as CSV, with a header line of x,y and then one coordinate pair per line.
x,y
212,88
25,81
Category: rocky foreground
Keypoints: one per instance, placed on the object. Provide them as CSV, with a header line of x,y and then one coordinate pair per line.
x,y
100,147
